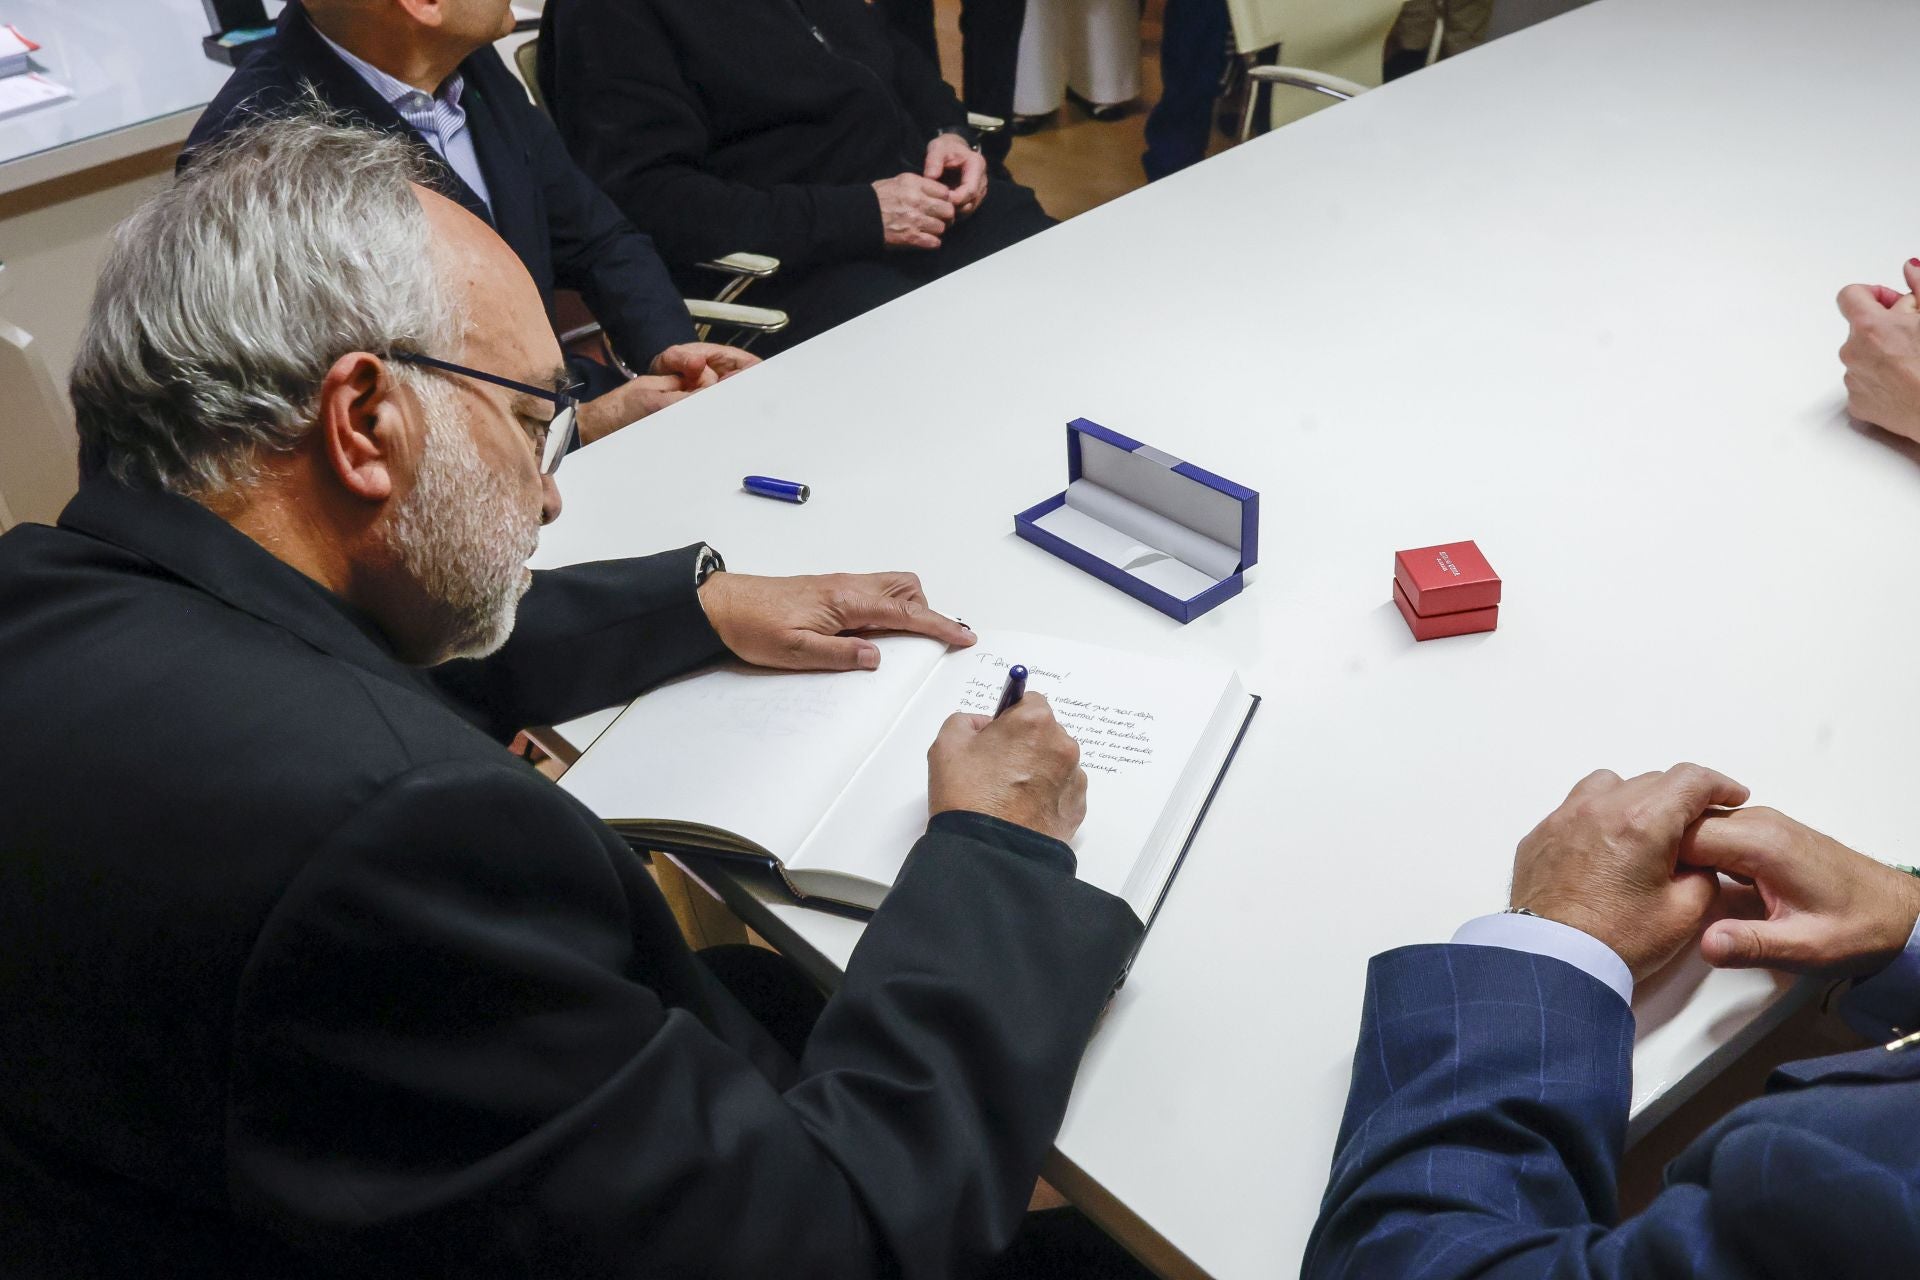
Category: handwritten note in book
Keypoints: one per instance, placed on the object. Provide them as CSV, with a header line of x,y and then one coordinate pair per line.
x,y
1137,719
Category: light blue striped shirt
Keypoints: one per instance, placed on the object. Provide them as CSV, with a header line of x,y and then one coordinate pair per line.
x,y
438,117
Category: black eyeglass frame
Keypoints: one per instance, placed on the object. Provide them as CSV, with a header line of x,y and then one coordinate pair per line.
x,y
561,429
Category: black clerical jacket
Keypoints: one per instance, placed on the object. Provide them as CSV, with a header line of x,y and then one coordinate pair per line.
x,y
301,973
566,231
749,124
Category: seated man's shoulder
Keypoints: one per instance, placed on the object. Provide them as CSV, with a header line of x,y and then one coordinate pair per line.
x,y
225,721
263,85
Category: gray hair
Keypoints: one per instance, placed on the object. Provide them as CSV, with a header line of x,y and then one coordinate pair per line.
x,y
225,299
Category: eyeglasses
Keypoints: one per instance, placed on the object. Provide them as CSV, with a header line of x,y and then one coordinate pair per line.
x,y
555,436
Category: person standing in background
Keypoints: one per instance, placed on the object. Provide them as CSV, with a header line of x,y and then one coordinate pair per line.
x,y
1193,55
1086,50
989,52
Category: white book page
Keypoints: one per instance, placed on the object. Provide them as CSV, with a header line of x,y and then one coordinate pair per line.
x,y
1138,720
759,753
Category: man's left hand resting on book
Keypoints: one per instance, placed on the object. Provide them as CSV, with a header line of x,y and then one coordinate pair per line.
x,y
802,624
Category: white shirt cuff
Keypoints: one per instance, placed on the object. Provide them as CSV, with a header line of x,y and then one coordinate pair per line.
x,y
1543,937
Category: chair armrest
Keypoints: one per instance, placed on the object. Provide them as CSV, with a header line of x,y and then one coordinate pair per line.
x,y
756,265
732,315
706,316
981,123
1313,81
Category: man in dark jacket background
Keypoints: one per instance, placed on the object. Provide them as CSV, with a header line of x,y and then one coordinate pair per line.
x,y
806,129
425,69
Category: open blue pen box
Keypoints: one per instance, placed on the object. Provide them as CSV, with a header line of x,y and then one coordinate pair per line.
x,y
1162,530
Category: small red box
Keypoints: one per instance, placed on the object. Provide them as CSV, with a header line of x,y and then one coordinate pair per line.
x,y
1453,578
1439,625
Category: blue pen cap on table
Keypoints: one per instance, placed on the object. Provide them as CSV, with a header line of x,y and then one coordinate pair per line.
x,y
1160,529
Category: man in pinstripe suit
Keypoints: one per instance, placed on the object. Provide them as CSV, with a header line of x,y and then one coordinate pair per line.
x,y
1490,1087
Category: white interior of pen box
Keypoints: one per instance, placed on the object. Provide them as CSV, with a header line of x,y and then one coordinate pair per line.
x,y
1134,511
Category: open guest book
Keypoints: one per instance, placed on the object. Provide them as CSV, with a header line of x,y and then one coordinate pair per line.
x,y
823,777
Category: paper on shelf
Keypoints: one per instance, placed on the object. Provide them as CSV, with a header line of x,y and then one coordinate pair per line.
x,y
14,49
28,93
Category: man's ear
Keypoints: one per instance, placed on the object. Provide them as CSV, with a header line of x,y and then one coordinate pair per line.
x,y
363,426
428,13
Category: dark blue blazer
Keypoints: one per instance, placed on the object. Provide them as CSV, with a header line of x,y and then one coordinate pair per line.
x,y
1487,1116
566,231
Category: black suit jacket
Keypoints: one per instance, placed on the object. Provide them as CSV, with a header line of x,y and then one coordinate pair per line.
x,y
564,228
749,124
303,974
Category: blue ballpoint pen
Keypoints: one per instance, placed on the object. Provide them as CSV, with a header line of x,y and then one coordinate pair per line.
x,y
1016,689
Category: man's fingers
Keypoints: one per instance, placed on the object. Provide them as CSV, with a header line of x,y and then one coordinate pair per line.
x,y
900,585
960,727
867,611
1859,303
1760,944
1696,788
732,360
1740,844
1597,781
1032,707
811,651
688,366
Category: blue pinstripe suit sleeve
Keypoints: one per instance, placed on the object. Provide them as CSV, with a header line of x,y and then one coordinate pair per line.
x,y
1483,1132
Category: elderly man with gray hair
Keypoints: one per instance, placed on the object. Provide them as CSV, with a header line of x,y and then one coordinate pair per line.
x,y
304,974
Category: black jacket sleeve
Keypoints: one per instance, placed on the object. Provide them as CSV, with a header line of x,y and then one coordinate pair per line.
x,y
597,252
586,637
928,98
448,1058
637,126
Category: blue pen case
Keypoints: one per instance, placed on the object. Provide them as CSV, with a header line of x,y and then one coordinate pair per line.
x,y
1164,531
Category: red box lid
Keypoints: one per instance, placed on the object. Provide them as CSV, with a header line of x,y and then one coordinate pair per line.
x,y
1440,625
1451,578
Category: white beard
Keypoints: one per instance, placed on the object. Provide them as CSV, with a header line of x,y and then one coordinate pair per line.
x,y
462,535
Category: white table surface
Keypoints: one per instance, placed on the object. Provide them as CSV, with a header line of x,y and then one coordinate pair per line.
x,y
1569,295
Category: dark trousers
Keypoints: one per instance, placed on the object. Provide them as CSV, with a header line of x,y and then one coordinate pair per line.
x,y
989,54
1193,54
1054,1244
826,296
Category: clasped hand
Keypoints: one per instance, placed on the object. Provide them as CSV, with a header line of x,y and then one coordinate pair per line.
x,y
1882,353
1636,863
675,374
916,209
